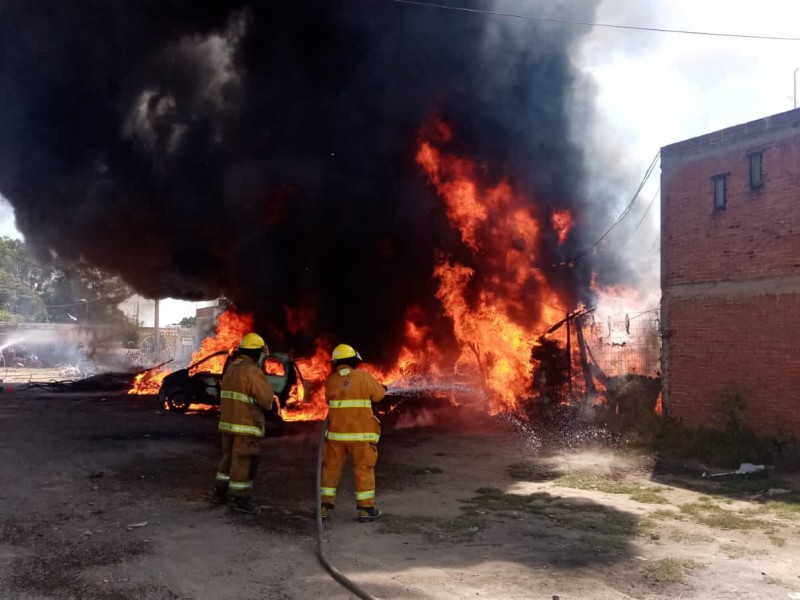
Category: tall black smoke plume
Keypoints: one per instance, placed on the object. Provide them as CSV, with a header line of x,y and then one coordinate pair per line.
x,y
265,150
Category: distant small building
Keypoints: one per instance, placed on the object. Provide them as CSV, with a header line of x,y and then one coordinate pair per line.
x,y
206,318
730,275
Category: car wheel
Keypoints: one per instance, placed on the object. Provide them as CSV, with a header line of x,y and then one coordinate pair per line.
x,y
177,400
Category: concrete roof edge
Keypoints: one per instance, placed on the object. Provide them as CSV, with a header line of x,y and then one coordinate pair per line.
x,y
736,133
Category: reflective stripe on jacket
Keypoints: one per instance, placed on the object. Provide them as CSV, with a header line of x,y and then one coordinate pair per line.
x,y
244,396
350,394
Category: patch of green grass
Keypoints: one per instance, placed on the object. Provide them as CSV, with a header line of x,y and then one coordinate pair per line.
x,y
670,570
663,513
730,520
777,540
494,499
648,496
603,544
604,526
531,471
612,523
586,481
719,518
678,535
576,513
715,498
647,524
787,510
736,551
699,508
460,528
611,485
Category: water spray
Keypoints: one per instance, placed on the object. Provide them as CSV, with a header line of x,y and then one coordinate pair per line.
x,y
401,388
9,343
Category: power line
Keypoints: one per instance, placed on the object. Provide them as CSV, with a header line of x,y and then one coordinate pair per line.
x,y
82,302
607,25
647,210
626,211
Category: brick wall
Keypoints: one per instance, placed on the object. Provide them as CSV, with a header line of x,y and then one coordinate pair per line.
x,y
731,278
745,344
757,235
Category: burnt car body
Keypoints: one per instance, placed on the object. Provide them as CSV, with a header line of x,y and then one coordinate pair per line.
x,y
181,389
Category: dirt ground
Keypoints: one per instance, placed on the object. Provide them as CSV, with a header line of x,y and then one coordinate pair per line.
x,y
12,376
105,497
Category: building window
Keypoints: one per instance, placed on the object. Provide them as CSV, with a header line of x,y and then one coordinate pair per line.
x,y
756,176
720,191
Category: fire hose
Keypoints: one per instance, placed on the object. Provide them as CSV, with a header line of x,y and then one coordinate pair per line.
x,y
323,559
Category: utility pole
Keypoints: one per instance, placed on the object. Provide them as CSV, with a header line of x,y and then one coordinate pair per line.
x,y
569,354
795,86
156,332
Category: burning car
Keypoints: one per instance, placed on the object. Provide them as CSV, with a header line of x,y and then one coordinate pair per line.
x,y
191,385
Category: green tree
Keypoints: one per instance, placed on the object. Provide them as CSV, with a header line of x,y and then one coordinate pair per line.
x,y
33,291
22,281
188,322
82,293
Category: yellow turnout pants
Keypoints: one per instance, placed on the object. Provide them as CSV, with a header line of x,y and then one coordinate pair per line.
x,y
364,456
237,469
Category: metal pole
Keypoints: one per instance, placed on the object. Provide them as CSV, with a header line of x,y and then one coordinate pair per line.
x,y
587,374
569,355
795,86
156,332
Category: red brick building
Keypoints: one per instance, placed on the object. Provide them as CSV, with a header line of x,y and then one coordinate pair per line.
x,y
730,274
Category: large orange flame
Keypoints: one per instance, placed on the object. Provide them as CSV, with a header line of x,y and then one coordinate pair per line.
x,y
314,371
493,320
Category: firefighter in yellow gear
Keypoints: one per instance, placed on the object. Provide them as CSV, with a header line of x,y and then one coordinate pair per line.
x,y
353,430
245,394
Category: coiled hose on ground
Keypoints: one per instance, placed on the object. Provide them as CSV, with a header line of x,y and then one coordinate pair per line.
x,y
334,572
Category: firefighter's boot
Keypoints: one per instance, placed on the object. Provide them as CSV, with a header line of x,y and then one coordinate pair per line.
x,y
325,511
219,495
245,505
367,514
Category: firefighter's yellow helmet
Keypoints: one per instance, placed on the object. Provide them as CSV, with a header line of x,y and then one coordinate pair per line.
x,y
343,351
252,341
